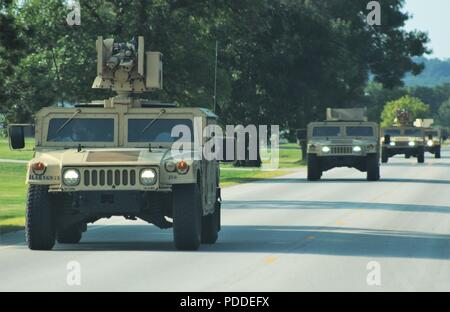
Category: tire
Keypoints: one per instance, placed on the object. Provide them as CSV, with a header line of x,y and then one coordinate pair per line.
x,y
373,168
384,156
187,216
437,154
40,221
211,227
421,156
407,156
71,235
314,170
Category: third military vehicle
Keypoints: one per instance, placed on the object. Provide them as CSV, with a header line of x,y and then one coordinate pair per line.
x,y
433,136
115,157
345,139
403,139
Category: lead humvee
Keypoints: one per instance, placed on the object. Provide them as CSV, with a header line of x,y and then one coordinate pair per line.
x,y
345,139
114,158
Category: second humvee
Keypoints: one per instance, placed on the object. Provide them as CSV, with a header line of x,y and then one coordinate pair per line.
x,y
345,139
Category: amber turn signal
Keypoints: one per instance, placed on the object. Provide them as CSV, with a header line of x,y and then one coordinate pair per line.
x,y
38,168
182,167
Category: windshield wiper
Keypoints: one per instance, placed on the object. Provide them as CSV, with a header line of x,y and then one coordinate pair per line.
x,y
68,121
151,123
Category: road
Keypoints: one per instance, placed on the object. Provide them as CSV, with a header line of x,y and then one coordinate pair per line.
x,y
284,234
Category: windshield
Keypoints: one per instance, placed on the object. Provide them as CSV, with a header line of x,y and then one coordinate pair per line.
x,y
392,132
326,131
160,131
434,134
360,131
81,130
413,132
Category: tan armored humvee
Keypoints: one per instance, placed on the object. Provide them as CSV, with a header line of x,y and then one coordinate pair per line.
x,y
401,140
434,140
116,158
346,139
432,135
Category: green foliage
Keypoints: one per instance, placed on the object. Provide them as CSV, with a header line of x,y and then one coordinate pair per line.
x,y
280,62
414,106
443,118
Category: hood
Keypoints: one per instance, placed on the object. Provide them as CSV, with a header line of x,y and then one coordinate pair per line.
x,y
102,157
345,141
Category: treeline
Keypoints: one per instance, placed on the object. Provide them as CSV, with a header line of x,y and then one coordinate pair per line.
x,y
436,98
436,72
280,61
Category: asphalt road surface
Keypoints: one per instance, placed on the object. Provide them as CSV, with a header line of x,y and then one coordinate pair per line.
x,y
284,234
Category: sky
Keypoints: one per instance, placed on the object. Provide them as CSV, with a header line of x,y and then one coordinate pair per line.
x,y
432,16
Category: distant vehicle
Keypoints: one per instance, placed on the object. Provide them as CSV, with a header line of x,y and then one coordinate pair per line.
x,y
434,139
346,139
403,139
433,136
113,158
408,141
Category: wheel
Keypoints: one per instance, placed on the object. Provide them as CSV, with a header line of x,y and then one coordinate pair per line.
x,y
407,156
187,216
70,235
314,170
384,156
373,168
40,222
211,227
437,154
421,156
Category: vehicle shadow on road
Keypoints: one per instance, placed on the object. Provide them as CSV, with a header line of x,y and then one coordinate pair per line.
x,y
315,205
414,165
307,240
343,181
337,241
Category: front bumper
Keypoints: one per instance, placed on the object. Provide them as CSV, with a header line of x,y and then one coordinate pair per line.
x,y
350,161
403,150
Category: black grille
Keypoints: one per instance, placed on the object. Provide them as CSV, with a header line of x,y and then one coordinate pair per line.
x,y
109,177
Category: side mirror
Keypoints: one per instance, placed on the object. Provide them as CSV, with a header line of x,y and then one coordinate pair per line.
x,y
387,139
16,135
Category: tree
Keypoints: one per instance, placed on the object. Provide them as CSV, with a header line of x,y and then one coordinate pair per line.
x,y
415,107
444,115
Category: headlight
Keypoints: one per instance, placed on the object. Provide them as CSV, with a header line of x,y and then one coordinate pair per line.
x,y
412,143
326,149
71,177
170,166
148,177
392,144
357,149
430,143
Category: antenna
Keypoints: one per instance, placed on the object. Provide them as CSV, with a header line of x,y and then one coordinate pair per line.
x,y
215,76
